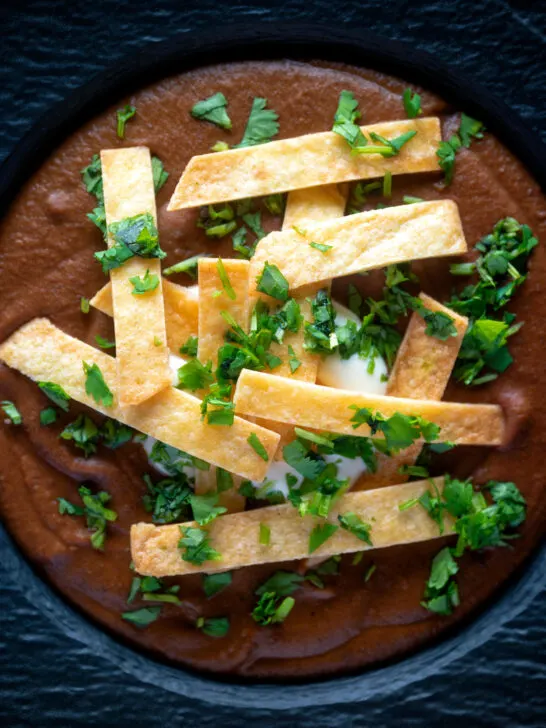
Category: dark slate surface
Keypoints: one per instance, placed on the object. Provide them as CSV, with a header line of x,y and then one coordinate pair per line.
x,y
51,47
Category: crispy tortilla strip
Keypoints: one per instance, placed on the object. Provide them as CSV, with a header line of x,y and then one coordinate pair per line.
x,y
154,549
306,161
422,370
303,207
139,321
181,311
43,352
205,481
328,409
364,241
212,326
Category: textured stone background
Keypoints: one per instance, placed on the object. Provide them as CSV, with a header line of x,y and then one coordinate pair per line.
x,y
50,47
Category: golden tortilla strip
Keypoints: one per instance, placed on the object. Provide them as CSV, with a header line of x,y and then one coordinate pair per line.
x,y
306,161
139,321
205,481
43,352
155,552
181,311
421,370
312,205
212,326
364,241
329,410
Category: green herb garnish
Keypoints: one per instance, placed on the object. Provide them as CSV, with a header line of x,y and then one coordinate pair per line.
x,y
345,119
354,524
214,583
412,104
145,284
56,394
195,546
262,125
96,514
224,278
254,442
320,534
190,347
11,411
188,266
123,116
272,282
95,386
142,617
213,627
213,109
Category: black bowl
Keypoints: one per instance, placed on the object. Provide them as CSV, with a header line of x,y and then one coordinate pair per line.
x,y
179,54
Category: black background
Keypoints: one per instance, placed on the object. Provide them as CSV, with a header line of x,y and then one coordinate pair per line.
x,y
50,47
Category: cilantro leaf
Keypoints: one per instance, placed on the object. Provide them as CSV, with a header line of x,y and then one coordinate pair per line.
x,y
92,179
218,397
195,546
224,278
142,617
168,499
320,333
158,174
123,116
254,442
95,386
104,343
262,125
441,593
293,361
320,534
346,116
96,514
272,282
205,508
265,535
114,434
48,416
321,247
412,104
84,305
11,411
354,524
304,461
83,433
190,347
275,203
213,109
188,266
148,282
214,583
213,627
272,609
56,394
132,236
469,129
282,584
193,375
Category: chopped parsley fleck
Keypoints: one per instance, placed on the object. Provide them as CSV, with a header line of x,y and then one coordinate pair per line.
x,y
321,247
95,386
188,266
104,343
262,124
213,627
96,514
272,282
11,411
195,546
254,442
320,534
354,524
145,284
122,117
190,347
56,394
412,104
213,109
214,583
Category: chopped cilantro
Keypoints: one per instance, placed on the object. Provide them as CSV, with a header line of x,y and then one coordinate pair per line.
x,y
438,324
345,119
133,236
224,278
224,480
190,347
321,247
369,572
254,442
83,433
254,222
193,375
214,583
265,535
275,203
48,416
262,125
195,546
320,534
387,184
123,116
142,617
158,174
11,411
441,593
114,434
188,266
272,609
293,361
219,147
95,386
96,514
385,147
213,109
219,398
213,627
304,461
469,129
168,499
272,282
323,440
148,282
92,178
410,200
84,305
320,333
217,223
205,508
400,431
56,394
282,584
104,343
412,104
354,524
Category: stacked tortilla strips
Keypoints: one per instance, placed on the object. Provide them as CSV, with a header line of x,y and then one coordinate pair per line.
x,y
314,170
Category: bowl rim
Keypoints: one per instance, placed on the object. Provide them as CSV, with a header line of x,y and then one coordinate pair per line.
x,y
259,42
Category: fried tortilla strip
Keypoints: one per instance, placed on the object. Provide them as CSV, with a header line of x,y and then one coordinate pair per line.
x,y
364,241
43,352
306,161
205,482
329,410
422,370
139,321
212,326
302,208
155,552
181,311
